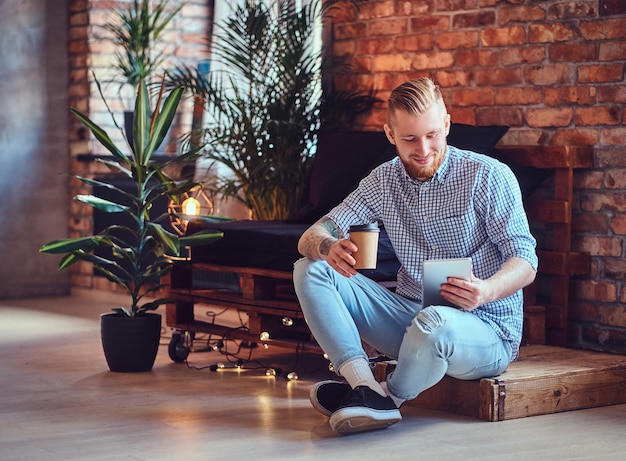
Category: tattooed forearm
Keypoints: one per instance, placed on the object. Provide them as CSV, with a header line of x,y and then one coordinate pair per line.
x,y
317,239
324,246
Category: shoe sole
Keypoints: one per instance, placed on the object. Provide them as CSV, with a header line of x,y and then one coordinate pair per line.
x,y
313,397
353,420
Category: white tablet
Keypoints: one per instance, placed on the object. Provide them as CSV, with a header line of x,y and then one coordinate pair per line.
x,y
436,272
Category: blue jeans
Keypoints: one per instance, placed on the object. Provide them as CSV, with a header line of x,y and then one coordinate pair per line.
x,y
427,343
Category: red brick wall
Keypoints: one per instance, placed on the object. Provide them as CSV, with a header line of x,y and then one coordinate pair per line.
x,y
551,70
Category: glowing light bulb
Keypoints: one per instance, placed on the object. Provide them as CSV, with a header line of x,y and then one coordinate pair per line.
x,y
191,207
264,336
287,321
270,372
292,376
331,367
326,356
220,365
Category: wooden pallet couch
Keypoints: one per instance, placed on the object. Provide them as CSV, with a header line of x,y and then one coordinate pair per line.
x,y
250,271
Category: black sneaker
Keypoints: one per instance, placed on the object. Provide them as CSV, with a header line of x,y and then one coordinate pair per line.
x,y
364,410
326,396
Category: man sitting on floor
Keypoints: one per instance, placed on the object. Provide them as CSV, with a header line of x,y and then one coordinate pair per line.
x,y
435,201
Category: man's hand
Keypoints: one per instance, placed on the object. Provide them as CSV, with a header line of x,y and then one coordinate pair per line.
x,y
514,275
325,240
466,294
340,257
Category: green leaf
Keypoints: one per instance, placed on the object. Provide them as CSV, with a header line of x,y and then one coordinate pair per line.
x,y
141,125
164,120
80,255
112,277
201,238
154,304
67,261
100,135
213,219
101,204
95,182
69,245
185,157
159,273
169,240
173,189
96,260
116,167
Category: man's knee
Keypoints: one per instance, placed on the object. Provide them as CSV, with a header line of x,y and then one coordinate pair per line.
x,y
430,329
307,271
429,319
303,266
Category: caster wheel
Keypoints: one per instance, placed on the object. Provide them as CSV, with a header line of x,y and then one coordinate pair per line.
x,y
177,349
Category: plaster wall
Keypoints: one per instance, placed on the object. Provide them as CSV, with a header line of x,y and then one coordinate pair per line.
x,y
33,145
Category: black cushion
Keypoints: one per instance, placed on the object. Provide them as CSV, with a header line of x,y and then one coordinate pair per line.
x,y
480,139
343,158
483,139
529,178
274,245
266,244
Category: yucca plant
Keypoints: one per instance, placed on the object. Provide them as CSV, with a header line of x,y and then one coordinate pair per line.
x,y
265,107
141,253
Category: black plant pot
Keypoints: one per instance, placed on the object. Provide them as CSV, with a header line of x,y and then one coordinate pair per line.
x,y
130,343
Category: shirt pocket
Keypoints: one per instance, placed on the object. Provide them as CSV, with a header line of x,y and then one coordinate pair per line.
x,y
449,236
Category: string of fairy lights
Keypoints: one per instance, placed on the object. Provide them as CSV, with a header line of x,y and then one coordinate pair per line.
x,y
238,354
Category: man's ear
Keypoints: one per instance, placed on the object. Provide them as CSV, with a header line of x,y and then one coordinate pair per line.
x,y
447,124
389,134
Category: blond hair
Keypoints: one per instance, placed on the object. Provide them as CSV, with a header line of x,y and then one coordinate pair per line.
x,y
415,97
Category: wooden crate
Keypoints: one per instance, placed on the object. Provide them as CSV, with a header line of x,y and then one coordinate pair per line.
x,y
544,380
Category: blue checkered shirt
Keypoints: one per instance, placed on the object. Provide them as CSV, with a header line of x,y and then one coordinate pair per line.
x,y
472,207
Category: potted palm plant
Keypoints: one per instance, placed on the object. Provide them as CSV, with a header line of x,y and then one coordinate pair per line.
x,y
136,31
142,251
265,107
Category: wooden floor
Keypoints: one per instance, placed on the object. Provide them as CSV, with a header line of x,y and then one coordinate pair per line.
x,y
58,401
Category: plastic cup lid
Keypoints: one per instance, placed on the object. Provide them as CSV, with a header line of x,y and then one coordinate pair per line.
x,y
370,227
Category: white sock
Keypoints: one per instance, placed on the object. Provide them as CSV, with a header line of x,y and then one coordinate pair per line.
x,y
357,372
397,400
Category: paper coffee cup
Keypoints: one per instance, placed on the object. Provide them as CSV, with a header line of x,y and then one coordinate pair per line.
x,y
365,237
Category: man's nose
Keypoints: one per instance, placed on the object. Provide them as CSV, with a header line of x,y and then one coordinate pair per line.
x,y
422,148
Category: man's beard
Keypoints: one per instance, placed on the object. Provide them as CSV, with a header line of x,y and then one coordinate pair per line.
x,y
425,172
